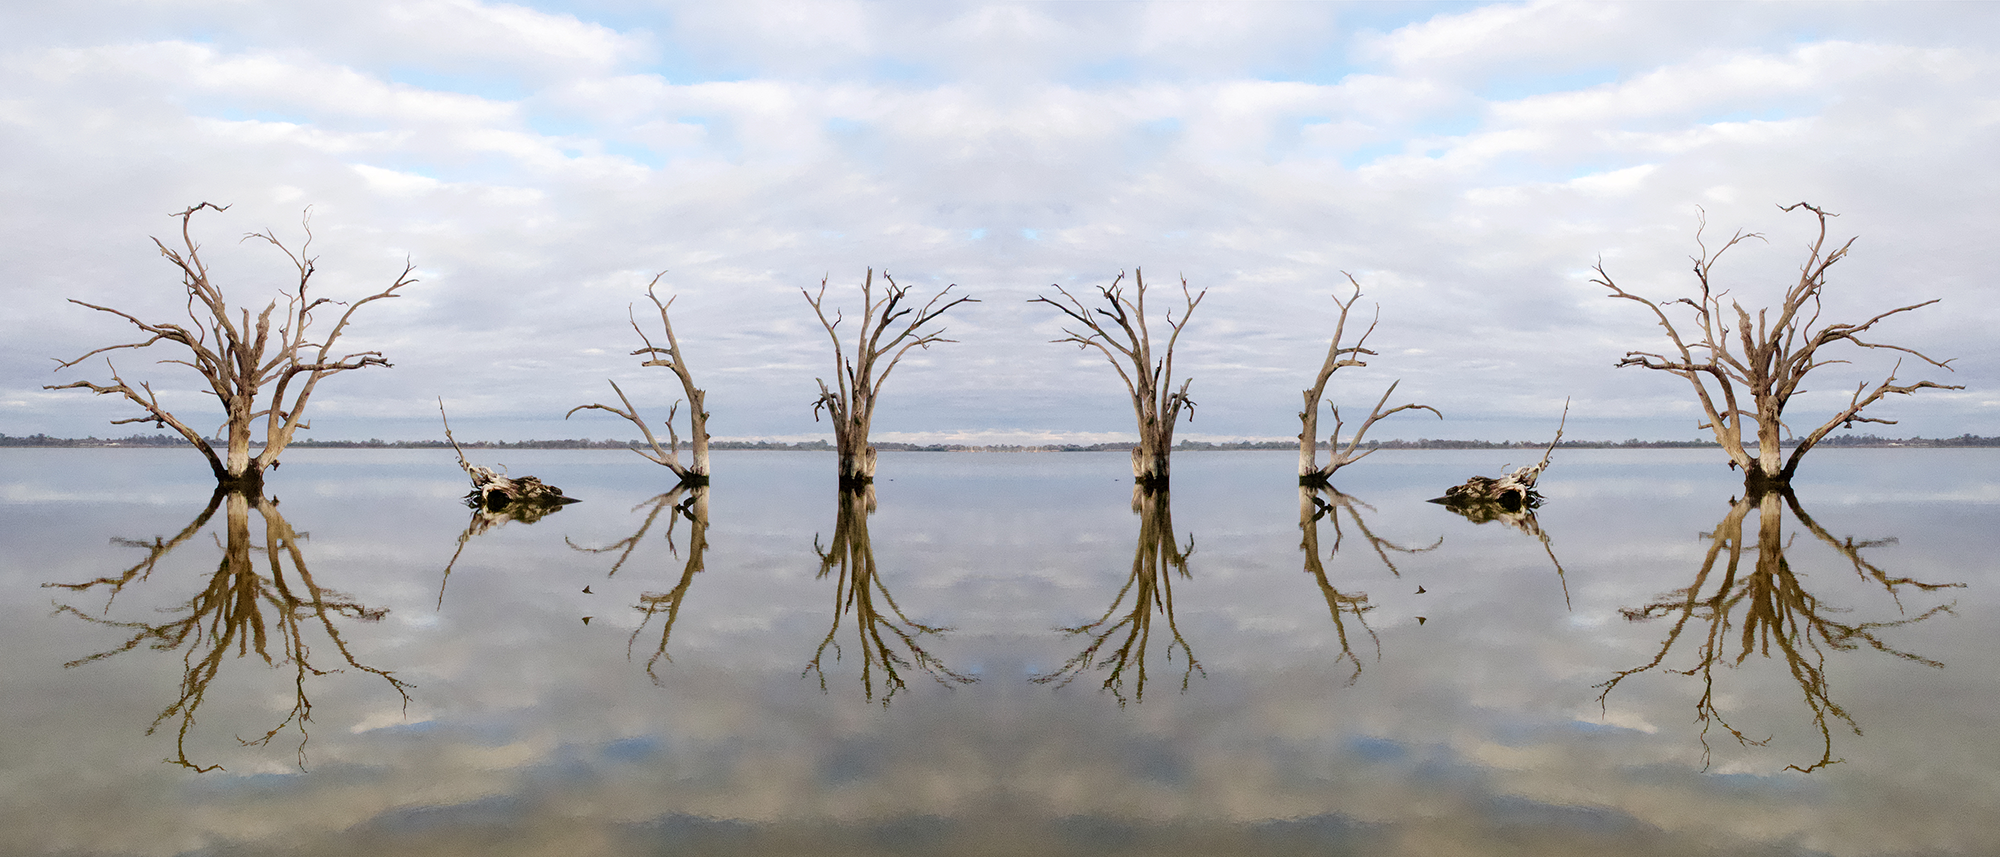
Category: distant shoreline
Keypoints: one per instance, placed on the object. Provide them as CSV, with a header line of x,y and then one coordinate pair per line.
x,y
1867,441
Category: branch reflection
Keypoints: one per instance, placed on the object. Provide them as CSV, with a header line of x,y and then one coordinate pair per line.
x,y
1729,613
1146,591
883,638
241,609
665,605
1327,503
1518,514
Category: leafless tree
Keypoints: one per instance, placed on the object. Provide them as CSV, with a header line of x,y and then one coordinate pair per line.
x,y
1149,380
1732,612
851,407
238,609
1118,642
696,471
889,642
252,369
1339,356
1749,372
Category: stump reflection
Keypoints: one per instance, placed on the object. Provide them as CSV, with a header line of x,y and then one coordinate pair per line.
x,y
1730,612
487,516
686,502
267,613
1324,503
1118,641
1518,514
889,641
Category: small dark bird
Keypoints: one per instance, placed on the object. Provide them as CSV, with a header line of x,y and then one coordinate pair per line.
x,y
586,591
586,619
1420,620
1420,590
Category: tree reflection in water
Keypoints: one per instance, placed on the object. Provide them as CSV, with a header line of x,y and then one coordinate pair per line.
x,y
1732,612
666,605
882,637
1326,503
241,609
1146,591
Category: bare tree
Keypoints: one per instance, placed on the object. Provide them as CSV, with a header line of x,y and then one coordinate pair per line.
x,y
851,408
1149,380
1339,356
1754,378
240,359
695,472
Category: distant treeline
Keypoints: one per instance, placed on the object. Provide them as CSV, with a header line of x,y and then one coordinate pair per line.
x,y
171,440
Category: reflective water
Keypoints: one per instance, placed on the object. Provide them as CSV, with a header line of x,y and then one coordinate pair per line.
x,y
999,654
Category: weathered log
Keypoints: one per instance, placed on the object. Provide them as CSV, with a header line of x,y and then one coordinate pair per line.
x,y
492,490
1507,494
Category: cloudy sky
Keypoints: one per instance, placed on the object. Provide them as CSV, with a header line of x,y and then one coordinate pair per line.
x,y
540,162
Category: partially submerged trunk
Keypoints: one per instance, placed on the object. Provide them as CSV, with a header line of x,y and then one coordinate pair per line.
x,y
1511,493
1339,356
1156,404
492,490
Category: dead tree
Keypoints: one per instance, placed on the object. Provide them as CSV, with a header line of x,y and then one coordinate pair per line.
x,y
1148,380
239,609
696,471
1119,640
1339,356
1745,372
1730,611
851,407
253,369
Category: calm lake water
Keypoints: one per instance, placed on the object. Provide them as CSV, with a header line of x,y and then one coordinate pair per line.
x,y
1011,654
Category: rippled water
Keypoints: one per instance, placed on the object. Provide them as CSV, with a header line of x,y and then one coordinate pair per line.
x,y
1006,654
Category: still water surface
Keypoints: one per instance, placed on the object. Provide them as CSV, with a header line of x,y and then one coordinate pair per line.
x,y
1007,654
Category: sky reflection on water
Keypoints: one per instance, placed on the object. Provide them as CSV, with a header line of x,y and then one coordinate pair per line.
x,y
1421,684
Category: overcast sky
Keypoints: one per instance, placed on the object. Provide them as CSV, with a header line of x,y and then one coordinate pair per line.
x,y
539,163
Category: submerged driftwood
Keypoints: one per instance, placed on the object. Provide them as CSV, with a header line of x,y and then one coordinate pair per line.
x,y
492,490
1484,498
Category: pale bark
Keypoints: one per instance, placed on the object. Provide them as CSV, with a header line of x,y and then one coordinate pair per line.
x,y
1149,381
1510,493
850,406
1745,375
1340,356
494,490
696,472
253,369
